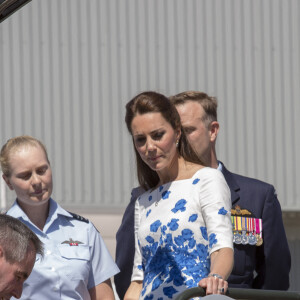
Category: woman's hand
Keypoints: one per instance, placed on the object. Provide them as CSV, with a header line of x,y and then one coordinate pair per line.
x,y
221,266
214,284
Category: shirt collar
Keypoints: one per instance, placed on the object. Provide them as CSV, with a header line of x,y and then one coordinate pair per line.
x,y
54,210
220,167
17,212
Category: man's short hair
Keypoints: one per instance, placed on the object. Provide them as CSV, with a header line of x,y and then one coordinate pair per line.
x,y
208,103
16,239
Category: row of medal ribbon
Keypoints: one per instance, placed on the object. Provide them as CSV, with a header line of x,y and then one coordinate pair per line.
x,y
247,230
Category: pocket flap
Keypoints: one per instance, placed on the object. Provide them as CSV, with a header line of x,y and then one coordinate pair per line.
x,y
75,252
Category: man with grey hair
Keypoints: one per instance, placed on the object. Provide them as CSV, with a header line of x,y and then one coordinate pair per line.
x,y
18,249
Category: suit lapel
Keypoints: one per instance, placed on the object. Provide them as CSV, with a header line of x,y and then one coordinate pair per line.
x,y
234,187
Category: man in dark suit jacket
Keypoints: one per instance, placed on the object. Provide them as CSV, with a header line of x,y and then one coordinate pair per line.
x,y
262,267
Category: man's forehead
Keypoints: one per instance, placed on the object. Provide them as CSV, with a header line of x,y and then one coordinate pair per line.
x,y
191,119
191,109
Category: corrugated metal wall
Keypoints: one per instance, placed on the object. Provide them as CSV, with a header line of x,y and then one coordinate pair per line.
x,y
67,68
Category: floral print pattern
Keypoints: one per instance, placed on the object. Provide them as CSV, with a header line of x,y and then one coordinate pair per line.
x,y
175,241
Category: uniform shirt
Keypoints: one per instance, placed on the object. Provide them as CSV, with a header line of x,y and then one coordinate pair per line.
x,y
76,258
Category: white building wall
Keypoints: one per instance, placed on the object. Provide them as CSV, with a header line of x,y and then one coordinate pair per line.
x,y
68,67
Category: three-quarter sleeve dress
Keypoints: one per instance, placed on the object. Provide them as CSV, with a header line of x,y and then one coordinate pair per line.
x,y
177,226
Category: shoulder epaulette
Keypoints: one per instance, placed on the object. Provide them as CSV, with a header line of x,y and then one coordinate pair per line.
x,y
79,218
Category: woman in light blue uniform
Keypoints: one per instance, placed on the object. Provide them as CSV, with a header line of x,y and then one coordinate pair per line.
x,y
77,264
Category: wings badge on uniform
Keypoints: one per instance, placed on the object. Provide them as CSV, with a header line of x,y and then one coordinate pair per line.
x,y
71,242
238,211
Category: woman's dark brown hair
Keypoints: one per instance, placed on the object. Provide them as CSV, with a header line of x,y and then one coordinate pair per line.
x,y
150,102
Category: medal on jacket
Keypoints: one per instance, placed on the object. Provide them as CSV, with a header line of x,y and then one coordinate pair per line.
x,y
240,225
237,238
258,232
252,239
244,231
259,240
244,238
247,230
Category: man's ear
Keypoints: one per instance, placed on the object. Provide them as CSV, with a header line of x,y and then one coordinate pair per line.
x,y
6,179
214,129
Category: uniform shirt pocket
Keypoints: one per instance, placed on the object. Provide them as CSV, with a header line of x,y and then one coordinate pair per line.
x,y
75,252
77,265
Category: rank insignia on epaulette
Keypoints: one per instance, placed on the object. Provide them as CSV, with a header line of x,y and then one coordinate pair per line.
x,y
79,218
247,230
71,242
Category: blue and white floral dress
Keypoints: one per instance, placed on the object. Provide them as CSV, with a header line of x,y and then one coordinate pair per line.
x,y
177,227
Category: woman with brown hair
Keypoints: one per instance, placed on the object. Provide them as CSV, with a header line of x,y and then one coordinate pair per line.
x,y
183,232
